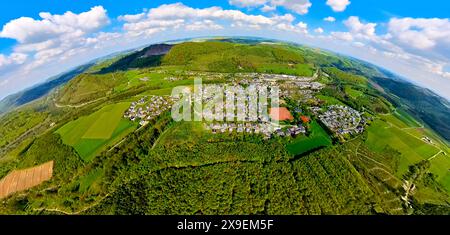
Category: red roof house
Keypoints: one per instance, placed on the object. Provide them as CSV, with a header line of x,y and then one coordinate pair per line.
x,y
280,114
305,119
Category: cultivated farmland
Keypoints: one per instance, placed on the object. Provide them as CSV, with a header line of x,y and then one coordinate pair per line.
x,y
90,134
20,180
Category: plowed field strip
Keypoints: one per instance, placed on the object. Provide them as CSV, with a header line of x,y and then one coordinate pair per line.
x,y
20,180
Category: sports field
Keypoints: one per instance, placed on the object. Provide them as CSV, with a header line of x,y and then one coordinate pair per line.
x,y
302,144
90,134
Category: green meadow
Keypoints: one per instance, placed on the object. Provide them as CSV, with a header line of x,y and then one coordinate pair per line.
x,y
411,148
353,92
406,118
391,118
107,122
90,134
88,181
440,165
330,100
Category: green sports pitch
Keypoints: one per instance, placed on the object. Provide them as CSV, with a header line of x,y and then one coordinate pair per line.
x,y
302,144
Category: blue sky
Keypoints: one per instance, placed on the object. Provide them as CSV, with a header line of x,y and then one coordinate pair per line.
x,y
411,38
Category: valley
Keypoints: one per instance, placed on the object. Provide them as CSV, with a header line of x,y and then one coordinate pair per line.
x,y
342,146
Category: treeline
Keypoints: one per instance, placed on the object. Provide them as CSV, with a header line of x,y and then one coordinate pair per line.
x,y
218,56
50,147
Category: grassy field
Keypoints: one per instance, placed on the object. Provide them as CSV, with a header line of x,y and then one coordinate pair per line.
x,y
191,133
302,144
89,134
391,118
440,165
87,181
347,77
404,133
412,149
138,77
330,100
406,118
107,122
409,125
352,92
435,138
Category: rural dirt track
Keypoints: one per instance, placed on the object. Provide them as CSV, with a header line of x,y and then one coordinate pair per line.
x,y
78,105
19,180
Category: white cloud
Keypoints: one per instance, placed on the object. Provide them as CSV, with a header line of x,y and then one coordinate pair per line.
x,y
421,34
12,59
329,19
267,8
338,5
438,69
180,16
53,36
319,30
298,6
132,18
203,25
357,28
344,36
300,27
28,30
247,3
